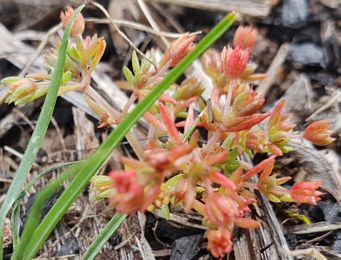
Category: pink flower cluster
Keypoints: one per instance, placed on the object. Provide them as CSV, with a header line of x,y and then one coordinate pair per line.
x,y
205,173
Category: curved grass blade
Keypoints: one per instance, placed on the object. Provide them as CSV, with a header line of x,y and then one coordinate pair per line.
x,y
103,237
97,160
15,218
35,212
38,133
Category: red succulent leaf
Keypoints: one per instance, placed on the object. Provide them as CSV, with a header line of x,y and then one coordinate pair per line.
x,y
154,121
221,179
275,114
183,105
275,150
179,151
168,99
246,122
246,223
265,165
217,158
169,122
189,120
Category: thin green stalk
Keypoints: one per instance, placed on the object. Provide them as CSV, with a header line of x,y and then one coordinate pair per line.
x,y
97,160
103,237
38,133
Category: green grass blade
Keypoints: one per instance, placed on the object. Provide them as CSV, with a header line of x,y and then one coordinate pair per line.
x,y
97,160
103,237
15,218
38,133
35,212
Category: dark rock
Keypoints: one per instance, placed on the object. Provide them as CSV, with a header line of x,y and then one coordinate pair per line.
x,y
166,232
321,78
69,247
316,214
186,248
115,239
294,13
63,113
309,33
48,205
307,54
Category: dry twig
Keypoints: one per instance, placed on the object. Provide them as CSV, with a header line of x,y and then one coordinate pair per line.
x,y
249,7
125,37
138,26
334,99
277,62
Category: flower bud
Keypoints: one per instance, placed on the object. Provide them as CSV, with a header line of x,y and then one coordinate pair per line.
x,y
79,24
179,192
220,209
211,62
25,88
102,187
271,187
184,192
129,194
178,50
190,87
234,62
318,133
280,120
86,53
247,103
245,37
219,242
19,90
158,159
306,192
255,141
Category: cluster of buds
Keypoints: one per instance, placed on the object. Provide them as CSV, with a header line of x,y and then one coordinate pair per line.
x,y
21,90
208,176
82,57
201,173
143,76
318,133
